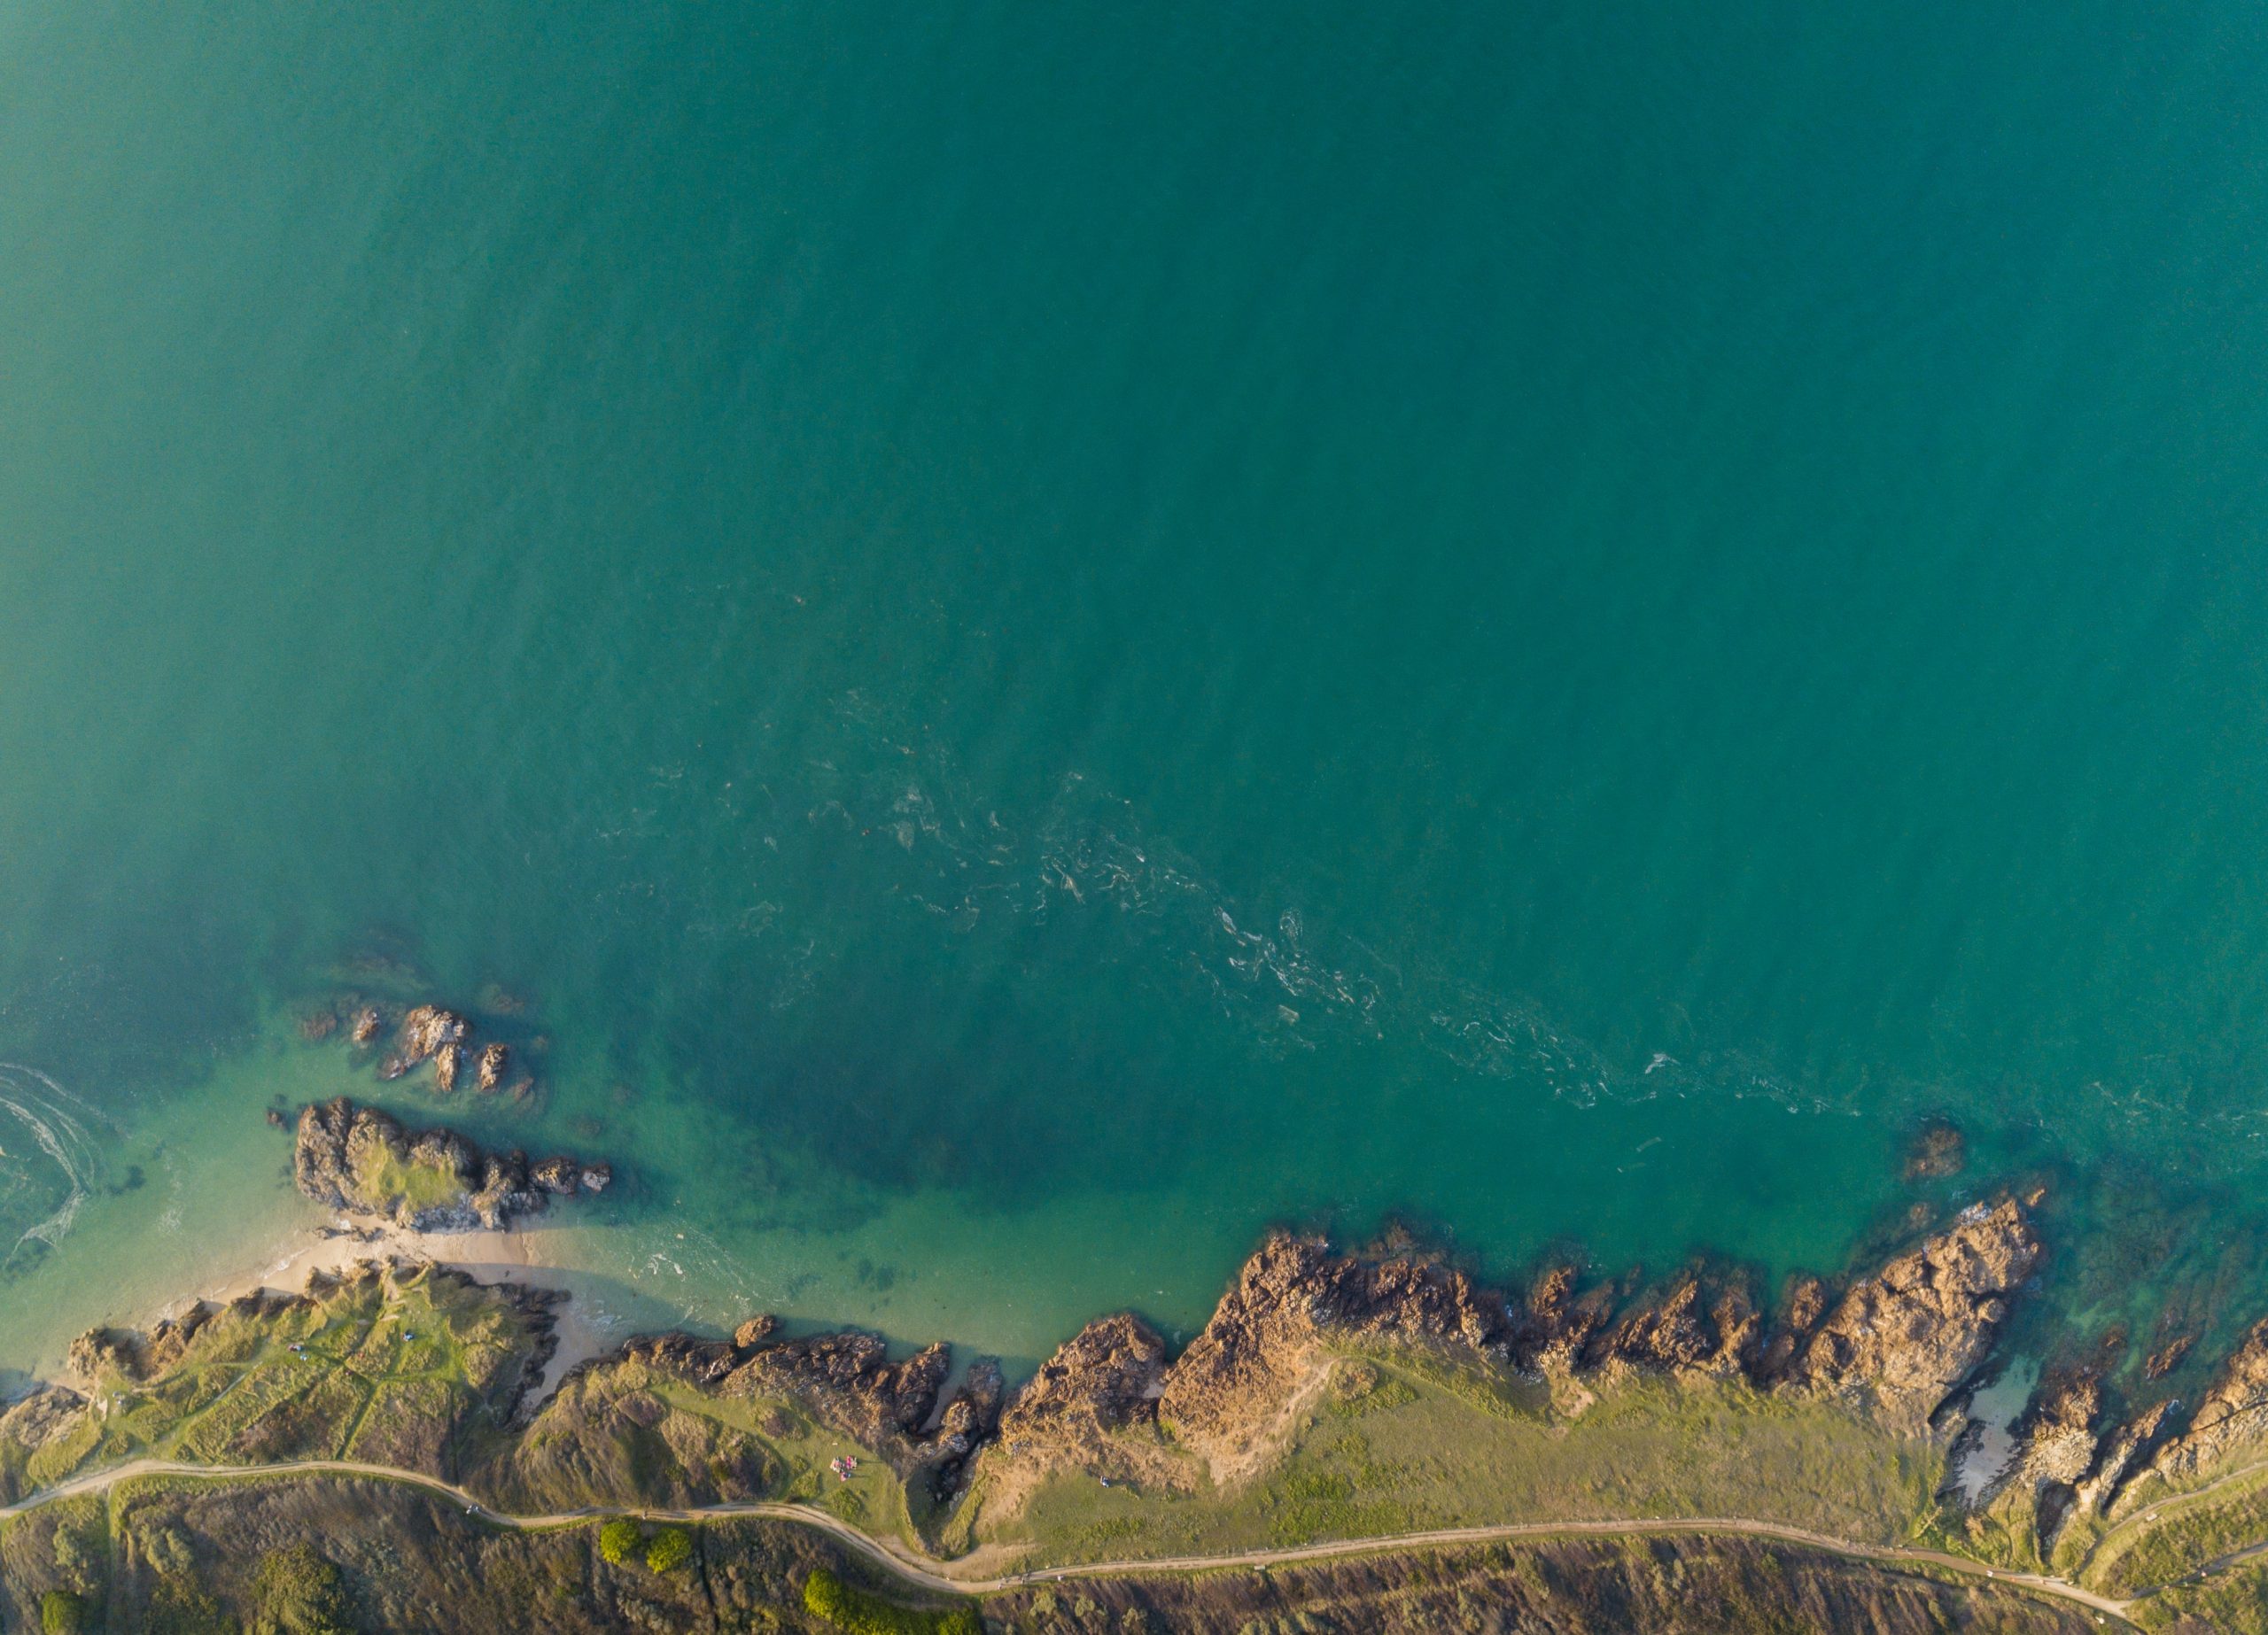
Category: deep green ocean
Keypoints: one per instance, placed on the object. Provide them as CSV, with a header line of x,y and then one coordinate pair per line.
x,y
1041,635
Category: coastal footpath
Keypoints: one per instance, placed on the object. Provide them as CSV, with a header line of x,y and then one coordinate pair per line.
x,y
1365,1437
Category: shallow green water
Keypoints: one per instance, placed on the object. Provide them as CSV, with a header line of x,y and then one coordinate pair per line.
x,y
1043,636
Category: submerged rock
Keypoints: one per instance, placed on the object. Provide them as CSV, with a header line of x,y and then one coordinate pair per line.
x,y
1939,1150
367,1023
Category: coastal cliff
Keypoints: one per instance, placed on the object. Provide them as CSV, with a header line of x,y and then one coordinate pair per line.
x,y
1333,1393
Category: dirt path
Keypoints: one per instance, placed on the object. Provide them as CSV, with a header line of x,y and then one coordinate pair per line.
x,y
914,1569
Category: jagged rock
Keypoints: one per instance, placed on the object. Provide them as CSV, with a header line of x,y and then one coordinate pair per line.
x,y
1907,1335
1703,1322
2232,1414
35,1421
2126,1455
968,1422
136,1356
362,1160
2055,1437
426,1031
428,1027
1100,1380
99,1351
494,1060
557,1176
597,1177
755,1331
680,1356
1237,1378
367,1023
1557,1323
447,1060
849,1378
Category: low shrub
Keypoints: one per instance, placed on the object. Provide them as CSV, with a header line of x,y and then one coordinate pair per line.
x,y
857,1612
617,1538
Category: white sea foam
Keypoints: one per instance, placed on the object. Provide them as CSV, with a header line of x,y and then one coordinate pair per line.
x,y
56,1122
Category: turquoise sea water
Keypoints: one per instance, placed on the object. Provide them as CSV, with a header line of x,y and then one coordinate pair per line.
x,y
1042,635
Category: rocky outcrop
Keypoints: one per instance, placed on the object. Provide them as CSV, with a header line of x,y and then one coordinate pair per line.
x,y
1103,1379
1258,1354
429,1034
849,1379
2233,1414
47,1412
129,1354
1559,1319
363,1161
2168,1357
2126,1453
1903,1338
494,1060
1704,1323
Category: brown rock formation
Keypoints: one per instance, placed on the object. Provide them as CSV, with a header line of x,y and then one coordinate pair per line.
x,y
494,1060
2126,1455
362,1160
1247,1371
1907,1335
1704,1321
2232,1414
1104,1378
426,1031
134,1356
367,1023
849,1379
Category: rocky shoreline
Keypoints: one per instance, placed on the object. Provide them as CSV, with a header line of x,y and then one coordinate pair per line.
x,y
1308,1334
